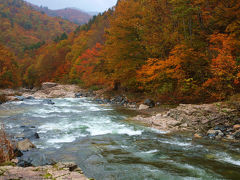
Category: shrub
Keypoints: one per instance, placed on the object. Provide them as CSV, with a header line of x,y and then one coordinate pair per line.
x,y
3,98
6,147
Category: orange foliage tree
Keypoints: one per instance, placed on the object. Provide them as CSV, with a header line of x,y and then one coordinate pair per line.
x,y
225,74
88,67
9,72
178,77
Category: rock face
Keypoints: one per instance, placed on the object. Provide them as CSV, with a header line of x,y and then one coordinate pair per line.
x,y
58,172
25,145
55,91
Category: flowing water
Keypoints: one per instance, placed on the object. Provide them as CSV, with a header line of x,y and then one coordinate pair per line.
x,y
107,146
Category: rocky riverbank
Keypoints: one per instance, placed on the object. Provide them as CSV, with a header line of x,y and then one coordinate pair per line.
x,y
215,121
59,171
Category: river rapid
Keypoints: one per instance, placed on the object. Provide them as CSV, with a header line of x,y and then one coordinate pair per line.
x,y
107,146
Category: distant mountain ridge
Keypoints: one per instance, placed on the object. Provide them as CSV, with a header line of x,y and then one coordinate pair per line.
x,y
22,27
71,14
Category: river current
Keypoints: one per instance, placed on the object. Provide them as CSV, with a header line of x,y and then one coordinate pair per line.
x,y
105,145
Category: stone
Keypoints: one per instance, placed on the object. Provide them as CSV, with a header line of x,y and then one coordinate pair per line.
x,y
143,107
47,85
236,126
25,145
149,103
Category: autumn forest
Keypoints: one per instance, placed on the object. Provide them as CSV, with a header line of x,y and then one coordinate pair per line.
x,y
173,50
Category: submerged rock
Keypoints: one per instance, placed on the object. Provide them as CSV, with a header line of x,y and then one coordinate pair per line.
x,y
48,101
20,98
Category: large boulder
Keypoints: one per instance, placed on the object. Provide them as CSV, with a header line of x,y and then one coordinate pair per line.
x,y
149,103
143,107
47,85
25,145
34,158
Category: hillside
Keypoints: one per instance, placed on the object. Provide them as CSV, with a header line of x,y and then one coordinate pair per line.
x,y
175,52
22,27
73,15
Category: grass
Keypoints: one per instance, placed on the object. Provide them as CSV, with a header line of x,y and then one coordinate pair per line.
x,y
6,147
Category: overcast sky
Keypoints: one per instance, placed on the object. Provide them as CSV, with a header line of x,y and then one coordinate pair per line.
x,y
86,5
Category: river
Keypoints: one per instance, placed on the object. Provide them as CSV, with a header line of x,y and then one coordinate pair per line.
x,y
107,146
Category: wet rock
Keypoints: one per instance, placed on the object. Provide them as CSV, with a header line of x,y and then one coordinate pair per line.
x,y
20,98
143,107
25,145
149,103
48,101
30,134
78,95
34,158
47,85
220,127
29,98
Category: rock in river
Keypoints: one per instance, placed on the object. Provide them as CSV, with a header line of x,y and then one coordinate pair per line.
x,y
25,145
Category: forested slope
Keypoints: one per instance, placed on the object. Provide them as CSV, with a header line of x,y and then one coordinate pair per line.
x,y
172,50
22,27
